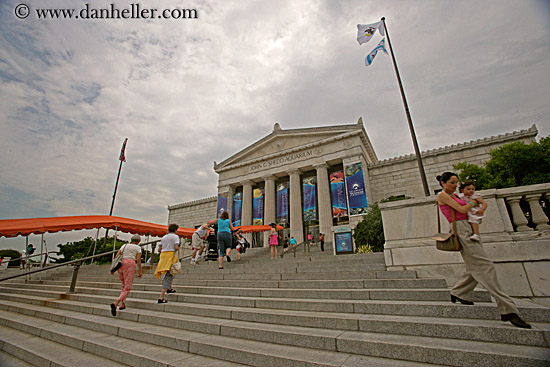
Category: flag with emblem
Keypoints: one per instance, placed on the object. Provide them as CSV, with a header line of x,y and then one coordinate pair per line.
x,y
366,31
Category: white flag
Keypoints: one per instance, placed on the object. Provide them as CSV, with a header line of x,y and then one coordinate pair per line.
x,y
370,57
366,31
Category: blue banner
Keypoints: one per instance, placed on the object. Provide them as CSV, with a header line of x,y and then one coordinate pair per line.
x,y
357,197
338,193
310,202
282,203
222,204
258,207
237,205
343,242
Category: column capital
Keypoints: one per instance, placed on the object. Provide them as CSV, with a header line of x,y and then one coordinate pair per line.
x,y
247,182
321,165
296,171
270,178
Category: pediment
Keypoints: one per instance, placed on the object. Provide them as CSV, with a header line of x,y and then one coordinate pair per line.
x,y
281,141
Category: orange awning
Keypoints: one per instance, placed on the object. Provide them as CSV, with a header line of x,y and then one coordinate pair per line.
x,y
249,229
24,227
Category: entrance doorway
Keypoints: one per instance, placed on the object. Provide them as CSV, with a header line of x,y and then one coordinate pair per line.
x,y
314,230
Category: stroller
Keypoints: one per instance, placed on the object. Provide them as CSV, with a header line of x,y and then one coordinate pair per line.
x,y
241,248
212,249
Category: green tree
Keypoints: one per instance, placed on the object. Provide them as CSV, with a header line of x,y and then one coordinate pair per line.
x,y
514,164
79,249
469,171
14,254
519,164
369,233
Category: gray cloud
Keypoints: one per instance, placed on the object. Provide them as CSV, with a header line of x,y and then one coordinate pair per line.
x,y
190,92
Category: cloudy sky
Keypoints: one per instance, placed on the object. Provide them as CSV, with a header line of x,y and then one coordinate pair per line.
x,y
188,92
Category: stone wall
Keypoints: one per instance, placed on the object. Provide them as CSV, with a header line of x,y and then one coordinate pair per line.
x,y
400,175
522,259
194,213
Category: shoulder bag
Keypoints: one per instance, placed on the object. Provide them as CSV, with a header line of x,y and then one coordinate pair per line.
x,y
176,267
117,262
446,241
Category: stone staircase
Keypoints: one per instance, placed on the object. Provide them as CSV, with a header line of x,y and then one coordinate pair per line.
x,y
314,309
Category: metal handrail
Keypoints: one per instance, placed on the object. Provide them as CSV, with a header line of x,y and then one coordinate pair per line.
x,y
25,257
293,248
77,264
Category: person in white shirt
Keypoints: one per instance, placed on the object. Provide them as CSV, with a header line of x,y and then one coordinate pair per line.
x,y
131,254
168,248
197,243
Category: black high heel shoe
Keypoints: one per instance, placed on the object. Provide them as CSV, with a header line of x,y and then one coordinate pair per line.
x,y
463,301
515,320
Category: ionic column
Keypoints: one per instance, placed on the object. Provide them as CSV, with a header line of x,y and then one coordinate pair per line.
x,y
296,221
518,218
269,205
539,218
325,206
246,215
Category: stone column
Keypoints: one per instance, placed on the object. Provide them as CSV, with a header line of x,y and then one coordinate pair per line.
x,y
518,218
269,206
325,205
246,214
539,218
296,221
230,192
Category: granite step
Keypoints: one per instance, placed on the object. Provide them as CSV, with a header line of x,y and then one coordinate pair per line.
x,y
296,328
131,345
145,282
8,360
420,349
245,295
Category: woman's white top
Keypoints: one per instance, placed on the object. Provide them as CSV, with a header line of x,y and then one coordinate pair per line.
x,y
130,251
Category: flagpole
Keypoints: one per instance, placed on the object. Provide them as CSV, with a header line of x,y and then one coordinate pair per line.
x,y
122,159
411,128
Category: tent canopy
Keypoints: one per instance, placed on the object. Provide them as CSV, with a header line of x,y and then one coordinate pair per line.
x,y
25,227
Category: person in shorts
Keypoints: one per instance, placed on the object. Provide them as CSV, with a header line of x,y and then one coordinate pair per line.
x,y
197,243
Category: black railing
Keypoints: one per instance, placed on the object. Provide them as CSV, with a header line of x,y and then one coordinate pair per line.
x,y
77,263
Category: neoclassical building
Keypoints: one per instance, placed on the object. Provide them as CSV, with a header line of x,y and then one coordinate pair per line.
x,y
313,180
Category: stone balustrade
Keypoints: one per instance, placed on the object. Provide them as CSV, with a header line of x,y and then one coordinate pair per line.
x,y
519,245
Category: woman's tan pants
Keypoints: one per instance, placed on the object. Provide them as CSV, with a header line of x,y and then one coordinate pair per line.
x,y
479,269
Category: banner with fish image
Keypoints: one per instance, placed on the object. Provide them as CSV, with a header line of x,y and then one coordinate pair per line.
x,y
355,184
338,193
310,202
282,203
258,207
222,204
237,207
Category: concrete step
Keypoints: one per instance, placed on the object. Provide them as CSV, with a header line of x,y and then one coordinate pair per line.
x,y
146,282
312,310
35,350
128,342
289,326
482,310
70,346
220,275
203,294
8,360
367,343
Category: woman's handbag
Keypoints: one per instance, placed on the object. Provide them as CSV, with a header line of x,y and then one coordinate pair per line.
x,y
117,262
446,241
176,267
